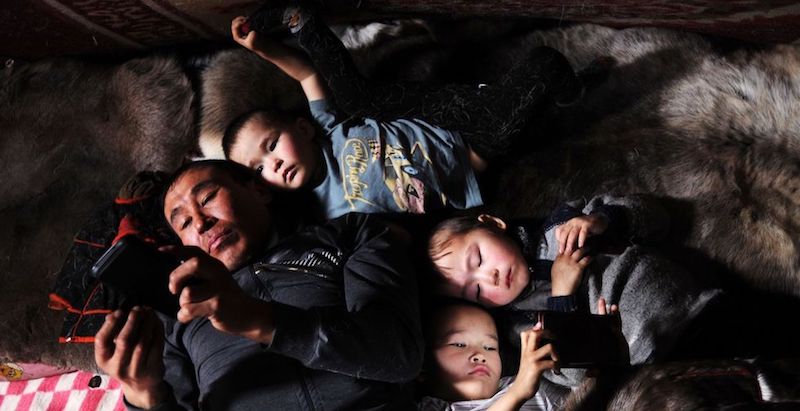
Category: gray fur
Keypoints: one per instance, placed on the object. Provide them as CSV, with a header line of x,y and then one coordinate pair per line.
x,y
717,132
255,84
712,129
699,385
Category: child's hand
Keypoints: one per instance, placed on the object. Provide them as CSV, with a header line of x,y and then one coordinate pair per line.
x,y
567,270
249,39
240,34
291,61
534,360
573,234
622,344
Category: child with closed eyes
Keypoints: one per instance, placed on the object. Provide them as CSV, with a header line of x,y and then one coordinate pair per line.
x,y
524,268
383,148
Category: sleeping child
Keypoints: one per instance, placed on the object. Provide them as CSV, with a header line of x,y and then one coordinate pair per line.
x,y
397,147
463,371
494,264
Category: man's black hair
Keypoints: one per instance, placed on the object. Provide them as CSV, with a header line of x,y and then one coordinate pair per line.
x,y
236,171
294,208
231,134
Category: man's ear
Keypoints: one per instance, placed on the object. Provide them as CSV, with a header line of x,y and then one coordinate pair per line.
x,y
492,220
306,129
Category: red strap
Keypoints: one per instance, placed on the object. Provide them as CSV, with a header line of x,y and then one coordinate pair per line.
x,y
126,226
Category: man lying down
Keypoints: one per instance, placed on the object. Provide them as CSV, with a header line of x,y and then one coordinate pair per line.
x,y
324,318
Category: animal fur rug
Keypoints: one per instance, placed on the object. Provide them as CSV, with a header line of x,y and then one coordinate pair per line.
x,y
710,127
72,133
715,129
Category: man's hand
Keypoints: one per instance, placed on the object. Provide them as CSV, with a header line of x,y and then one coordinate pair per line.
x,y
534,360
567,271
129,349
573,234
207,289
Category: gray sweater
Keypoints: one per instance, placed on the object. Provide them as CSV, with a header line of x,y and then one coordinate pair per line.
x,y
657,298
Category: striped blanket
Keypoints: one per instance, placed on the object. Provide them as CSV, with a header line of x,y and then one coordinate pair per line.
x,y
78,391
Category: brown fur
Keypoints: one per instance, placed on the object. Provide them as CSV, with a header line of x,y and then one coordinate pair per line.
x,y
710,126
71,134
705,385
716,131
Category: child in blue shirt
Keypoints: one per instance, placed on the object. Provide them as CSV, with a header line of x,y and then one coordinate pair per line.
x,y
399,147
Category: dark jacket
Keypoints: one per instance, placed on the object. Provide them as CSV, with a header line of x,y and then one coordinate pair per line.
x,y
347,331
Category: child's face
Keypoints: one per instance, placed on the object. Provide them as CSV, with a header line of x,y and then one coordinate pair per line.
x,y
483,266
285,155
466,354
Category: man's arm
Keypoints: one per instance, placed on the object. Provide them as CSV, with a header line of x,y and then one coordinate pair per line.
x,y
292,62
377,324
376,334
205,288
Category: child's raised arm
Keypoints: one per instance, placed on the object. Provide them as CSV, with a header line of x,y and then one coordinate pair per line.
x,y
534,360
292,62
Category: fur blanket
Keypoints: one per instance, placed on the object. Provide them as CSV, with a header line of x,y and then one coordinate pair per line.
x,y
72,133
708,126
713,128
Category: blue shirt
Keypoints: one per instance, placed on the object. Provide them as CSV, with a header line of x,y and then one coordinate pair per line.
x,y
405,165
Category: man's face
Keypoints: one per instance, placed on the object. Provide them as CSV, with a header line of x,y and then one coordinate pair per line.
x,y
483,266
227,219
466,354
285,155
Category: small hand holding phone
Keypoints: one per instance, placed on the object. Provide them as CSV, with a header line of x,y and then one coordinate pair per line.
x,y
140,272
584,340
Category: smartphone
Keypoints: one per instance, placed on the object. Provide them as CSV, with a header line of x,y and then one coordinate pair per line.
x,y
584,340
139,272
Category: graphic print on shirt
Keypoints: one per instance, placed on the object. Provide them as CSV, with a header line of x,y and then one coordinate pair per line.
x,y
355,160
403,178
375,150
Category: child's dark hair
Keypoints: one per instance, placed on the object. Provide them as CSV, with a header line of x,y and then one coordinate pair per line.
x,y
432,308
446,231
235,127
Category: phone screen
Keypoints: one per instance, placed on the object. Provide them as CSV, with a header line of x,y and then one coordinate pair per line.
x,y
140,272
584,340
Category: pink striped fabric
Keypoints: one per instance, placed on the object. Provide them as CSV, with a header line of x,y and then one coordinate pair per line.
x,y
68,392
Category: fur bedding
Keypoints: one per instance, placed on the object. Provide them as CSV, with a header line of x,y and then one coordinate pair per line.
x,y
72,133
711,127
